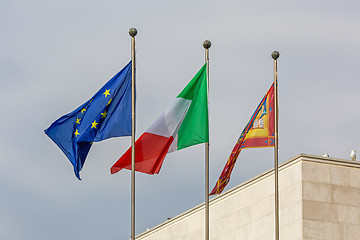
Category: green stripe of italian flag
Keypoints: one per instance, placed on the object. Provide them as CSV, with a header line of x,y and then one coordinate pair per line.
x,y
183,124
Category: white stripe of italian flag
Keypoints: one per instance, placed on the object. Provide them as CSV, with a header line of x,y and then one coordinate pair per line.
x,y
183,124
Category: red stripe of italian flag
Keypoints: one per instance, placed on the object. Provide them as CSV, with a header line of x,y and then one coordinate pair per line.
x,y
183,124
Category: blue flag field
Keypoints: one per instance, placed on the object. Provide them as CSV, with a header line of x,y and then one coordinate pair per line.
x,y
107,114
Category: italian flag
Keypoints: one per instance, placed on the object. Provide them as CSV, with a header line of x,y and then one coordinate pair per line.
x,y
183,124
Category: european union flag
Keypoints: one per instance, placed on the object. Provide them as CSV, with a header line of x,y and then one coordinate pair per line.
x,y
107,114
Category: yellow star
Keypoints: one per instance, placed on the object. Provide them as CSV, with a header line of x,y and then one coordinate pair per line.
x,y
77,120
104,114
107,92
83,110
76,133
93,124
109,102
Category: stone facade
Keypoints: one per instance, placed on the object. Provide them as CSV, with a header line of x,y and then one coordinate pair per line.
x,y
331,200
319,198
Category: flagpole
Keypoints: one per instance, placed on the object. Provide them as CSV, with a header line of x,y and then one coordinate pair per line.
x,y
132,33
207,45
275,55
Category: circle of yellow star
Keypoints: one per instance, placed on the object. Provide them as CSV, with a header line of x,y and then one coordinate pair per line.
x,y
107,92
93,124
76,133
104,114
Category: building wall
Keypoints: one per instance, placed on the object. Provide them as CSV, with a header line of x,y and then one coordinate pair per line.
x,y
331,200
319,199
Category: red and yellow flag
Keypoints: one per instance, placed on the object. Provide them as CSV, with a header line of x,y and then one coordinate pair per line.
x,y
259,132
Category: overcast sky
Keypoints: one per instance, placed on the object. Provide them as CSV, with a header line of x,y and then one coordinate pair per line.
x,y
56,54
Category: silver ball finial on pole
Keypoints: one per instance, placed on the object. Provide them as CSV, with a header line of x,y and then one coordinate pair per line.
x,y
132,32
207,44
275,55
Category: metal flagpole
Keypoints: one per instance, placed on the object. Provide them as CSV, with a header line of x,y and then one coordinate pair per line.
x,y
275,55
132,33
207,45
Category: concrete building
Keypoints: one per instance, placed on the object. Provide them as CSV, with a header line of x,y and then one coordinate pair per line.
x,y
319,199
